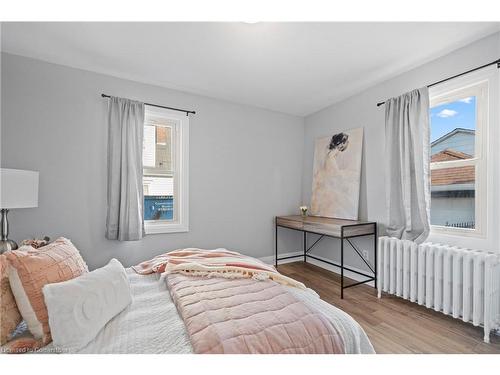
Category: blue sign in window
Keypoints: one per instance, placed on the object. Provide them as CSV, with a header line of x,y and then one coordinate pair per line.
x,y
158,207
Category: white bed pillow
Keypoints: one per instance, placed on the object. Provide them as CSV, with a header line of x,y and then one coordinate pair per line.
x,y
79,308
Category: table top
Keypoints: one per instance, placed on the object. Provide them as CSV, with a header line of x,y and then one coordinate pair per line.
x,y
326,225
324,220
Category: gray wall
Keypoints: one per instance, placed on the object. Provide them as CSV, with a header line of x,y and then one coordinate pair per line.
x,y
361,111
245,163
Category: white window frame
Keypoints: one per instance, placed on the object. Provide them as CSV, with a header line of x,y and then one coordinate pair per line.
x,y
484,85
180,167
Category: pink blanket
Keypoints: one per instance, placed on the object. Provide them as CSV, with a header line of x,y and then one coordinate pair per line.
x,y
243,316
231,303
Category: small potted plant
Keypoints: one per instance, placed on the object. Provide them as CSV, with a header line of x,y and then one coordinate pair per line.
x,y
303,211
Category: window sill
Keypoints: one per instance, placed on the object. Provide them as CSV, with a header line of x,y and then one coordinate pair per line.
x,y
456,232
462,238
161,228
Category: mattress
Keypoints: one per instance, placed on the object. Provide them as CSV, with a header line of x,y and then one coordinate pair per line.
x,y
151,323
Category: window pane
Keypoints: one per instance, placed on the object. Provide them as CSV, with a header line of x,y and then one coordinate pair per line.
x,y
149,147
158,198
453,128
157,148
453,197
159,167
164,148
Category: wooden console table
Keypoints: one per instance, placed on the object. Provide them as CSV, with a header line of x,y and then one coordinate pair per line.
x,y
341,229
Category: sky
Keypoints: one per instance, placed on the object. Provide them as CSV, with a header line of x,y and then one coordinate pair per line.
x,y
457,114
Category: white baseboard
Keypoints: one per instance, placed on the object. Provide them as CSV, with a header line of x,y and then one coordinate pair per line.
x,y
270,259
326,266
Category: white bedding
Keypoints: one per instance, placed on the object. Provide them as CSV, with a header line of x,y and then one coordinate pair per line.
x,y
151,323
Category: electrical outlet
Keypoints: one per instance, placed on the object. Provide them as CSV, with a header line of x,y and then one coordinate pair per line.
x,y
366,255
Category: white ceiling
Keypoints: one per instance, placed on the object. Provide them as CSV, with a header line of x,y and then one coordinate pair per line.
x,y
296,68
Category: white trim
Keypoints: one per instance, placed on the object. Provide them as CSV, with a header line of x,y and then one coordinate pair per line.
x,y
485,86
476,84
457,232
180,159
326,266
161,226
270,259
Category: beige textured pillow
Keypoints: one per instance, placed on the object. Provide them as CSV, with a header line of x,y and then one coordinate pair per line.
x,y
30,269
10,317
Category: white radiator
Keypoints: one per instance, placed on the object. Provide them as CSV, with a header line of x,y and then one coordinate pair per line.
x,y
459,282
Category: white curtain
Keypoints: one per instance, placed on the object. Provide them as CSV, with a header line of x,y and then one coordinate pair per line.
x,y
125,220
407,165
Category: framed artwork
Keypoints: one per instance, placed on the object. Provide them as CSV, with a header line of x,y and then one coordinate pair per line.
x,y
337,174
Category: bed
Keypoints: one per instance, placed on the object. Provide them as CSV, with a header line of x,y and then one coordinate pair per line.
x,y
185,301
151,323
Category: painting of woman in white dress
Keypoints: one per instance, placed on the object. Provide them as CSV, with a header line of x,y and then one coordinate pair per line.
x,y
336,175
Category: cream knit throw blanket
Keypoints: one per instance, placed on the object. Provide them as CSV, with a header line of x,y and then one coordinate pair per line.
x,y
214,263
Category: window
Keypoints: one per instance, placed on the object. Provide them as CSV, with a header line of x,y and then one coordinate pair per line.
x,y
165,171
459,144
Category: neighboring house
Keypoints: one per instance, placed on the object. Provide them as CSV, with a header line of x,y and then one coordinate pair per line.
x,y
458,139
158,198
453,189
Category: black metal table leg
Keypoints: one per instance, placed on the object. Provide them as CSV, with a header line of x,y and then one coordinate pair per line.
x,y
276,242
305,246
342,263
375,255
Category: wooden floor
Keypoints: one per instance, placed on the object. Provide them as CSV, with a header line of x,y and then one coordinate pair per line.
x,y
394,325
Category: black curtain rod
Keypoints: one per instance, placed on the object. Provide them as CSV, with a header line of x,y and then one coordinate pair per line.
x,y
161,106
458,75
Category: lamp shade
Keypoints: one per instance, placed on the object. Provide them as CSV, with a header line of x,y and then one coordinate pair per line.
x,y
18,188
